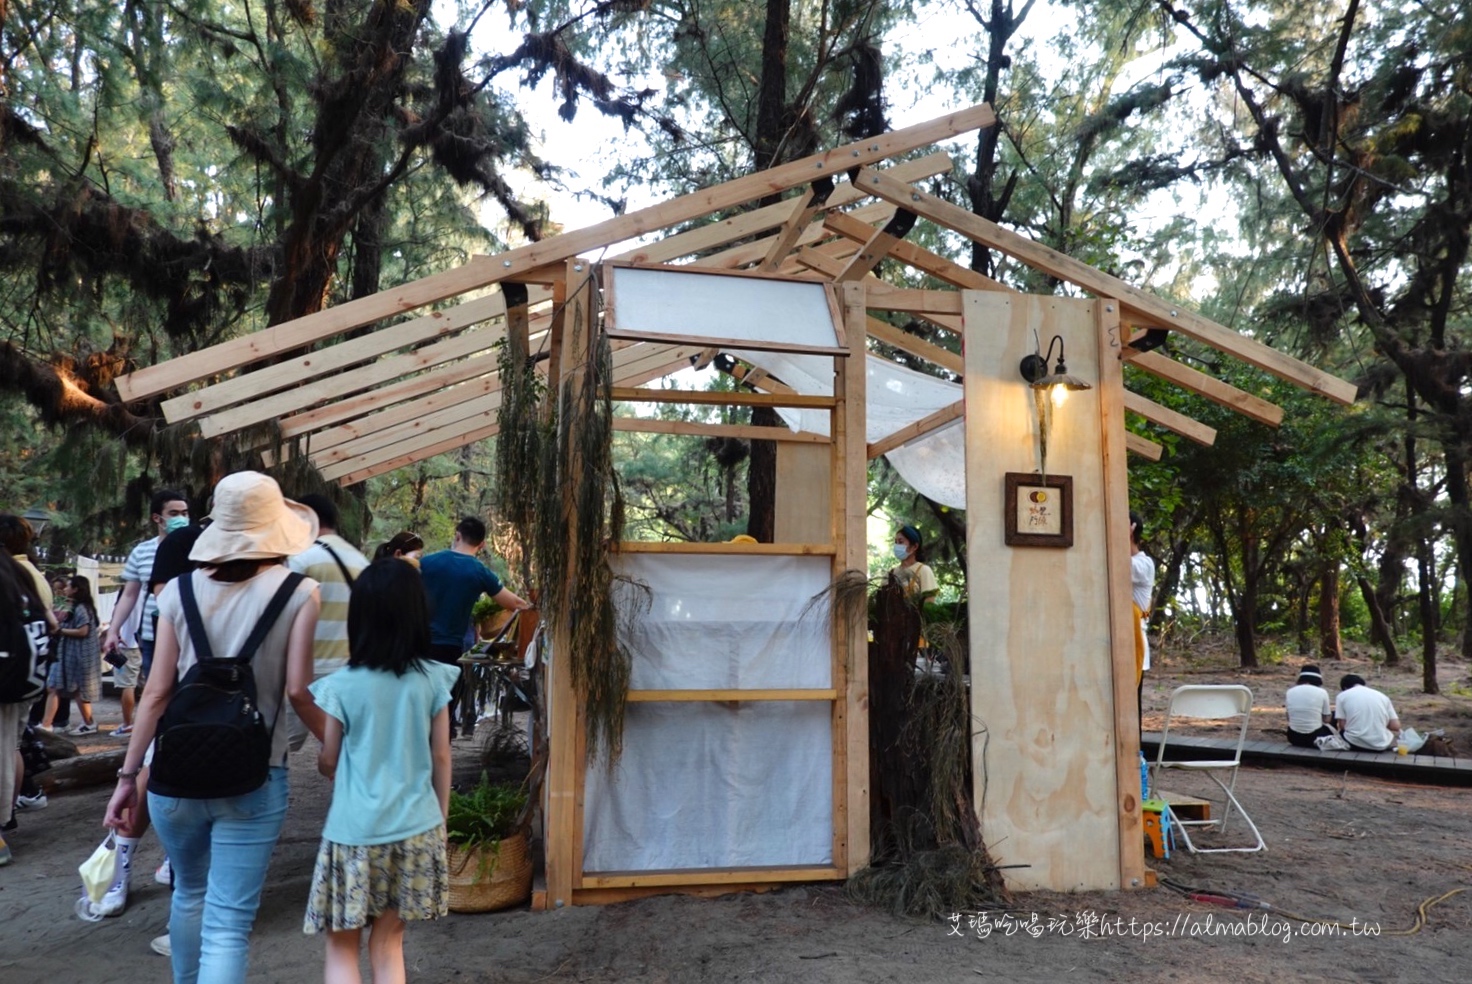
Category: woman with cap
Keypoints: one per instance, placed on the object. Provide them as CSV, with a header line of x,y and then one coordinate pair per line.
x,y
915,578
1307,702
220,847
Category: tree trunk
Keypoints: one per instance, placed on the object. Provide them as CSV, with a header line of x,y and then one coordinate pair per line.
x,y
1330,646
1426,568
1244,621
1380,631
761,479
1303,601
771,98
1169,581
1391,575
1461,529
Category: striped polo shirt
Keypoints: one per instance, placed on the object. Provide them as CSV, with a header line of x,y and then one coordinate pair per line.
x,y
330,650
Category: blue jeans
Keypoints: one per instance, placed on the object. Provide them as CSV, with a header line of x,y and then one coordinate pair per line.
x,y
219,849
145,646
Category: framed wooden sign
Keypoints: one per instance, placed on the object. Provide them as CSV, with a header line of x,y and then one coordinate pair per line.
x,y
1038,510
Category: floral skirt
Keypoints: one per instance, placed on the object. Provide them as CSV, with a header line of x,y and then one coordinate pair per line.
x,y
353,884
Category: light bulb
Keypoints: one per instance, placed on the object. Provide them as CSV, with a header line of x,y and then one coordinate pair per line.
x,y
1060,393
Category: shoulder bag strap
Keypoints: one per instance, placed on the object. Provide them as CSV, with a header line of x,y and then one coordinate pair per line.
x,y
269,616
192,619
347,574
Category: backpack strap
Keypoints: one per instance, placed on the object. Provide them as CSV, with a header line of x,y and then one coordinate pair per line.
x,y
347,574
192,619
269,616
197,636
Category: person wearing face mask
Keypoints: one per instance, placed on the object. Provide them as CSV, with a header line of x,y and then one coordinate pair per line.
x,y
169,511
334,564
405,546
916,578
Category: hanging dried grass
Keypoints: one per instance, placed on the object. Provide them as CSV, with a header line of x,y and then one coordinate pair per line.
x,y
555,484
932,861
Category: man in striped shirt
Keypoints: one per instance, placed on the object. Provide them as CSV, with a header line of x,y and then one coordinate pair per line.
x,y
334,564
169,511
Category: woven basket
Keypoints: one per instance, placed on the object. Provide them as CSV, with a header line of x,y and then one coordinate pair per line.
x,y
481,883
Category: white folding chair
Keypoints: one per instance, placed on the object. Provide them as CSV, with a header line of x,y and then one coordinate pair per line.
x,y
1216,702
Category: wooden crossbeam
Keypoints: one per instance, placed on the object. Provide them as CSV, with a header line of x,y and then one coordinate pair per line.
x,y
802,214
729,230
741,257
485,270
1170,419
922,259
1213,389
307,421
651,425
918,429
1142,446
482,410
1141,304
711,398
455,347
898,338
877,247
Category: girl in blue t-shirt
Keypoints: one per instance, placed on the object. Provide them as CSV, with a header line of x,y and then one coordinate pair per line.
x,y
387,750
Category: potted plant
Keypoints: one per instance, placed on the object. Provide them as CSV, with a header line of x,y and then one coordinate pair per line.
x,y
488,617
488,852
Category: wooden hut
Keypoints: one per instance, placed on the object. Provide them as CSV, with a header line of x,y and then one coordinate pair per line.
x,y
1051,634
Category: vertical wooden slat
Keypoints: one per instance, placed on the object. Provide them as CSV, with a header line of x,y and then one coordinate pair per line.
x,y
854,551
563,849
1112,454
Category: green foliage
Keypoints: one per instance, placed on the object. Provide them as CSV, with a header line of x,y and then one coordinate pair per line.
x,y
488,812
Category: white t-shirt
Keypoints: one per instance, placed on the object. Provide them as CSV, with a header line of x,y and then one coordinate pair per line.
x,y
1142,586
1307,705
1365,714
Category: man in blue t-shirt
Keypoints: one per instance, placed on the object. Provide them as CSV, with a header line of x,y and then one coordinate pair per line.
x,y
454,580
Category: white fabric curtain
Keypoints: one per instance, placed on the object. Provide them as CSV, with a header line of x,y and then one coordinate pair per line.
x,y
934,465
720,785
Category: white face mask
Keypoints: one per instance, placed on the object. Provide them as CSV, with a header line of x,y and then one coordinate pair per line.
x,y
901,551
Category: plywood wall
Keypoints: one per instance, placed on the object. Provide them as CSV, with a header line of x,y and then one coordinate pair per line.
x,y
1042,679
804,476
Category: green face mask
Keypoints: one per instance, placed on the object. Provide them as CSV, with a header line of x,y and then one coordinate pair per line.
x,y
175,523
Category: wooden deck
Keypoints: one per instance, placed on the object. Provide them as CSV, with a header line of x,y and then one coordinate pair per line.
x,y
1416,768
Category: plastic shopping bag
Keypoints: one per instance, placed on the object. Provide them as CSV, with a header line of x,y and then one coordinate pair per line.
x,y
98,870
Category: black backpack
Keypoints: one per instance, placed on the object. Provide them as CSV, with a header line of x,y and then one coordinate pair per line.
x,y
24,642
212,740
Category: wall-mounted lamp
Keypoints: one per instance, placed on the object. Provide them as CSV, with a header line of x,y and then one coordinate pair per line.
x,y
1034,369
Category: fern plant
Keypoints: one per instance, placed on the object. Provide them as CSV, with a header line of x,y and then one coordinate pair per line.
x,y
488,812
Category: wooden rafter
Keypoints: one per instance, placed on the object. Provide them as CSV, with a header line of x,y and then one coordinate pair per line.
x,y
877,248
483,271
1170,419
747,224
925,425
334,387
1142,446
796,223
653,425
1145,306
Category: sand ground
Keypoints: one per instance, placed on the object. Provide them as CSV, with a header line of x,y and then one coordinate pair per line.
x,y
1362,851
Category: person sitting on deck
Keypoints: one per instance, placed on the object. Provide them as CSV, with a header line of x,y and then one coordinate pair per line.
x,y
1365,716
1307,704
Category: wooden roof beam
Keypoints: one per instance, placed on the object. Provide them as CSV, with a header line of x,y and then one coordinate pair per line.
x,y
883,331
922,259
392,367
1213,389
745,224
450,438
877,247
1142,446
1138,302
1170,419
482,271
797,223
918,429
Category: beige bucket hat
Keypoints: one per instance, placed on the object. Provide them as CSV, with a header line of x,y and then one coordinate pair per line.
x,y
252,520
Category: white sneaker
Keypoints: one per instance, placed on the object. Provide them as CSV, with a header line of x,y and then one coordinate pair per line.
x,y
161,946
83,729
114,902
164,875
37,802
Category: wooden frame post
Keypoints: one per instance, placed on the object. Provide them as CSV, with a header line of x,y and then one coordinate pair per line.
x,y
851,483
562,848
1121,613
